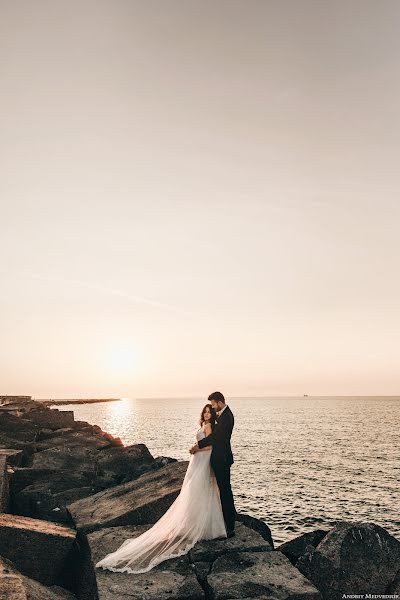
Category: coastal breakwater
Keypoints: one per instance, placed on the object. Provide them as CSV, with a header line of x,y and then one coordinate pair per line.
x,y
71,493
79,401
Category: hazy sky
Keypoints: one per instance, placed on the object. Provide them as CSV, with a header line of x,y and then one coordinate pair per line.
x,y
199,195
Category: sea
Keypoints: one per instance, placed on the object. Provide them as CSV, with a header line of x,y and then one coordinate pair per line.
x,y
301,463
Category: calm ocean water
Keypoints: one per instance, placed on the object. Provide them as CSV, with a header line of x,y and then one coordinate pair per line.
x,y
300,463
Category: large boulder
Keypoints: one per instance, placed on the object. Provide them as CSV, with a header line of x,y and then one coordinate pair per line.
x,y
137,502
13,456
79,458
353,557
254,574
205,552
50,418
45,493
394,587
73,439
46,433
245,540
86,426
37,548
57,480
18,428
15,586
124,464
43,501
163,461
28,448
171,580
257,525
96,430
295,548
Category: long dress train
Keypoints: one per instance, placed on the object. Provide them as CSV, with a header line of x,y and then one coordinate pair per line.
x,y
195,515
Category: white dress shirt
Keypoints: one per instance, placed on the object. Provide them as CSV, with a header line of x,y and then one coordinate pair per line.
x,y
221,411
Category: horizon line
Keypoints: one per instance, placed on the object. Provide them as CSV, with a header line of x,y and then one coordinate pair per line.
x,y
189,397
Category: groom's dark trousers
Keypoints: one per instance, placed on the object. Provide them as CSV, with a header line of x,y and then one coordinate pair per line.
x,y
221,462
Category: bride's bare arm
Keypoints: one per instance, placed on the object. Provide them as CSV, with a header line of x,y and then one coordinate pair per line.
x,y
207,431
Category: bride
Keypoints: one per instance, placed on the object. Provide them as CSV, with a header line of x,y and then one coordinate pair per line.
x,y
195,515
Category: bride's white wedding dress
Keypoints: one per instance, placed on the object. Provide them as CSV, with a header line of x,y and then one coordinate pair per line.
x,y
195,515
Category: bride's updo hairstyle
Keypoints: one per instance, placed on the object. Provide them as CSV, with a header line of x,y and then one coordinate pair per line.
x,y
213,416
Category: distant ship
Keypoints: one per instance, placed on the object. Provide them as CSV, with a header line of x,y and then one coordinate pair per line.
x,y
305,395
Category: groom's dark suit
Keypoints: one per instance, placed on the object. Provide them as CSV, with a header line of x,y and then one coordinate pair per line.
x,y
221,461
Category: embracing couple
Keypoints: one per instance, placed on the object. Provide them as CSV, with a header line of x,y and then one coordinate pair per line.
x,y
204,509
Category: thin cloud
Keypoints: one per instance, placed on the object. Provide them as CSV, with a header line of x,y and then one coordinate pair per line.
x,y
103,289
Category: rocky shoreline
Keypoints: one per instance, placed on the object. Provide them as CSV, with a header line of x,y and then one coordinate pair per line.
x,y
71,493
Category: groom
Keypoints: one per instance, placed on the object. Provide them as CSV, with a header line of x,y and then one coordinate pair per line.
x,y
221,457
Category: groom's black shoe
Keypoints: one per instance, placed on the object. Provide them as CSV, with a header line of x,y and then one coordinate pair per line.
x,y
230,533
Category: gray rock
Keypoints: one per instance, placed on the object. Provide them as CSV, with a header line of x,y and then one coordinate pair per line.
x,y
74,459
204,554
163,461
37,548
4,486
257,574
124,464
170,580
85,426
114,441
45,493
50,418
27,448
79,575
43,501
96,430
57,480
353,558
394,587
257,525
245,540
14,457
295,548
15,586
18,428
46,434
137,502
73,439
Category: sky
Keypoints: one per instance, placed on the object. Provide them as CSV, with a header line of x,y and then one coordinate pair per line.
x,y
199,196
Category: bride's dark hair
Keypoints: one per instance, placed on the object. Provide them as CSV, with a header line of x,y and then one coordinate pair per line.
x,y
213,416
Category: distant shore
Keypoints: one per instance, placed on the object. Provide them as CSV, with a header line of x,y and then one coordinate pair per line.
x,y
78,401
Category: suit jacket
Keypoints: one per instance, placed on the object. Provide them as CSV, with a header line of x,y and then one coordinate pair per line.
x,y
220,439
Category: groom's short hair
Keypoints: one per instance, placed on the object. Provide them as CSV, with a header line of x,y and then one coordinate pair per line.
x,y
217,397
